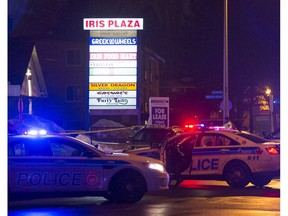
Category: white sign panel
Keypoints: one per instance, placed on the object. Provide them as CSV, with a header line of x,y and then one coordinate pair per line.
x,y
113,79
97,94
113,48
113,71
113,56
113,64
113,101
159,111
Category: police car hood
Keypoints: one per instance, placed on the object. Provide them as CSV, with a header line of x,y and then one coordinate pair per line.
x,y
131,157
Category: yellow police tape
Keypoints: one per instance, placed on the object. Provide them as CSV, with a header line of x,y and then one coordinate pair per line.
x,y
96,131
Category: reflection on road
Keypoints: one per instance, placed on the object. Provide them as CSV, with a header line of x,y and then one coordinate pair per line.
x,y
190,198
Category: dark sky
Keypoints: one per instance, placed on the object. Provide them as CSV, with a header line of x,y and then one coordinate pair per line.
x,y
254,43
194,46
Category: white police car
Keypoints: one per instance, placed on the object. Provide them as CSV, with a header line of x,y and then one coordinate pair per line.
x,y
62,165
236,157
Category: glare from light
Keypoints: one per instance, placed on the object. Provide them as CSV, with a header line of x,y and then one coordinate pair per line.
x,y
268,91
37,132
42,132
156,166
33,132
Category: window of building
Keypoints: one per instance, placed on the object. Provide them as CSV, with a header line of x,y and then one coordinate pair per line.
x,y
146,75
73,93
151,76
73,57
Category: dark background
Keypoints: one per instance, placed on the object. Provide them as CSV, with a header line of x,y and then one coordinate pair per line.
x,y
188,34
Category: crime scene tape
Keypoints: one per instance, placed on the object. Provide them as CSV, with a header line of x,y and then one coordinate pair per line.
x,y
96,131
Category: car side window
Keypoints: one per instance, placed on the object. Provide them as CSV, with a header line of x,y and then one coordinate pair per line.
x,y
17,149
38,148
208,140
173,143
217,140
144,136
276,136
62,148
226,141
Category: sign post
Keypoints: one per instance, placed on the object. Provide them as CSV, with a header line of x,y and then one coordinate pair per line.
x,y
20,108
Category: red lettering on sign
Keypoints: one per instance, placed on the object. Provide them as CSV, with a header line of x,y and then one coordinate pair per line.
x,y
91,23
137,24
110,23
94,23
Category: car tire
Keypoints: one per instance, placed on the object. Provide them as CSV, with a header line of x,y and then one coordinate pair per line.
x,y
237,174
128,186
261,181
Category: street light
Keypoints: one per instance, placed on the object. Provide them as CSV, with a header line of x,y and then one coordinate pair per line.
x,y
271,106
268,92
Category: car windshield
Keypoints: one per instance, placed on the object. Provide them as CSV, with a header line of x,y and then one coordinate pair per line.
x,y
253,137
274,135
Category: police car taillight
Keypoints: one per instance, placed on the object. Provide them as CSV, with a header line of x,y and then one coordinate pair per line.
x,y
272,150
194,126
189,126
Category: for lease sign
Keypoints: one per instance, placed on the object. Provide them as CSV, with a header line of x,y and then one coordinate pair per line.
x,y
159,111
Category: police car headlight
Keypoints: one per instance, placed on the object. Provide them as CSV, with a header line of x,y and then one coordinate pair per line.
x,y
156,166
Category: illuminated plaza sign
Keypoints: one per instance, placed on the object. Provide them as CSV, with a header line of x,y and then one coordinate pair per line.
x,y
113,24
113,63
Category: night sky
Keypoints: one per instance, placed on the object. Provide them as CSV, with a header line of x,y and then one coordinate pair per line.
x,y
188,34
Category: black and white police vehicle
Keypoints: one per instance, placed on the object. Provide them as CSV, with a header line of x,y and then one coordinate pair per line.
x,y
64,166
233,156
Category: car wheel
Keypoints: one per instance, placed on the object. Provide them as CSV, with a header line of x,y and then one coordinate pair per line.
x,y
261,181
237,175
128,186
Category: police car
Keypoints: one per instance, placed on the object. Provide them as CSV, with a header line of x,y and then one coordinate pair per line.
x,y
233,156
62,165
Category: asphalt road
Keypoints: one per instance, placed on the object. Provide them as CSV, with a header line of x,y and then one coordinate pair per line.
x,y
190,198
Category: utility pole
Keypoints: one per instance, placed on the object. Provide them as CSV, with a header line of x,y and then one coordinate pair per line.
x,y
225,65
